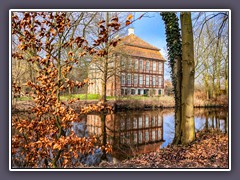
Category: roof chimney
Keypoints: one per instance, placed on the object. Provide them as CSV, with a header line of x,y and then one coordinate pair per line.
x,y
130,31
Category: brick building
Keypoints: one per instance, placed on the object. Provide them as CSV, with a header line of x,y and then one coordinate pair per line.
x,y
138,69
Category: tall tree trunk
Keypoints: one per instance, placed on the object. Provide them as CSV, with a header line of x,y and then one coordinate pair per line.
x,y
212,118
206,123
175,56
104,90
178,108
218,68
104,132
105,73
58,123
226,124
188,67
226,75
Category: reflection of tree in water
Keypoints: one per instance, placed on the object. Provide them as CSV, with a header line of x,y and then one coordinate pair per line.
x,y
212,118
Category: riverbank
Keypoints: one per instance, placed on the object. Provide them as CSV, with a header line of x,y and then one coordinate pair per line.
x,y
132,103
209,150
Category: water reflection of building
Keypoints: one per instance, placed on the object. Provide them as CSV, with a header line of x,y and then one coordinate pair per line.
x,y
141,131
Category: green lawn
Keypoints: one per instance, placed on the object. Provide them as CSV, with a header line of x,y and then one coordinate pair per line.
x,y
23,98
81,97
92,97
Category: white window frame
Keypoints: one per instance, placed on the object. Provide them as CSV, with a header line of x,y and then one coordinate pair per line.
x,y
146,121
123,79
147,138
136,65
154,66
141,79
154,80
129,79
147,80
135,79
141,64
160,67
147,66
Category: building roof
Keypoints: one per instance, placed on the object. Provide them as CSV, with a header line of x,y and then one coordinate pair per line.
x,y
135,46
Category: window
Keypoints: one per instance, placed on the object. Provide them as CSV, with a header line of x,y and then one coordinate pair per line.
x,y
129,79
131,63
159,120
135,79
146,136
147,80
154,66
128,123
135,138
153,121
141,79
159,81
122,91
160,67
146,121
140,137
159,134
145,91
123,63
140,122
127,91
153,135
123,79
154,81
147,66
136,64
135,122
132,91
159,92
141,64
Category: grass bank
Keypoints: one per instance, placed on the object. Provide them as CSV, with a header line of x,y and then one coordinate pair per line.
x,y
130,102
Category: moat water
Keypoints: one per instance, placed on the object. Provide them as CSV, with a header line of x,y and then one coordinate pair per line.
x,y
134,132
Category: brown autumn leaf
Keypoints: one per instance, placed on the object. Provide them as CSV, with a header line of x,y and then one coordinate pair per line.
x,y
129,17
101,22
127,23
53,31
70,53
115,19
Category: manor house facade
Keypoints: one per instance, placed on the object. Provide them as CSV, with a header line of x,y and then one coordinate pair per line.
x,y
138,69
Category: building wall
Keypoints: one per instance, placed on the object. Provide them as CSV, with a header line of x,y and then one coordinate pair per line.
x,y
143,76
127,80
95,84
